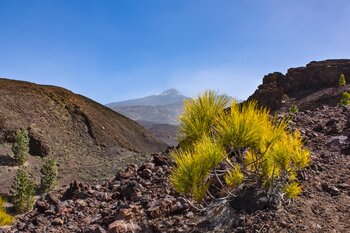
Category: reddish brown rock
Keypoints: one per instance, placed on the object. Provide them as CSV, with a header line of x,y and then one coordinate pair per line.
x,y
121,226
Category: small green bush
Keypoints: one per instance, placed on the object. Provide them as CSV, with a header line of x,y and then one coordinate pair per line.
x,y
293,109
23,191
342,81
20,147
49,173
236,149
345,99
5,218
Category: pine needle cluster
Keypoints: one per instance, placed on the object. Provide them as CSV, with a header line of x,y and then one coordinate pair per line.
x,y
239,148
5,218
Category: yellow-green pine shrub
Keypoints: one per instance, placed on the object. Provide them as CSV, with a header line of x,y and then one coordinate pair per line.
x,y
258,150
20,147
342,81
5,218
23,190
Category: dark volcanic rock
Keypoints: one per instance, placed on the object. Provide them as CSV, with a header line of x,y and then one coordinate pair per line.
x,y
318,81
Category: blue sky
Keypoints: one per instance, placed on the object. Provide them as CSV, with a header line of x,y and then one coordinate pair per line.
x,y
116,50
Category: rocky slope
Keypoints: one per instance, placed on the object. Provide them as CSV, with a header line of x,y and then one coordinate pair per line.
x,y
307,87
84,135
140,199
159,114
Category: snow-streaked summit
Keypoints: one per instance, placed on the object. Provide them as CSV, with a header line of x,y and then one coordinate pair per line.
x,y
170,92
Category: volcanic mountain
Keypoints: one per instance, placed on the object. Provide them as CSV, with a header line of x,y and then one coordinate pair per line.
x,y
90,140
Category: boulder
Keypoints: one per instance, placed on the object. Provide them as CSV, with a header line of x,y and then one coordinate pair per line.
x,y
121,226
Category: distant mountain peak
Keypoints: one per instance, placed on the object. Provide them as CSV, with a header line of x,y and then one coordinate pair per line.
x,y
170,96
170,92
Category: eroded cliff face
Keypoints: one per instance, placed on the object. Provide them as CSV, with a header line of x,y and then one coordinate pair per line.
x,y
307,87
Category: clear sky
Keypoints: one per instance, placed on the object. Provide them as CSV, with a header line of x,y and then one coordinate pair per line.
x,y
122,49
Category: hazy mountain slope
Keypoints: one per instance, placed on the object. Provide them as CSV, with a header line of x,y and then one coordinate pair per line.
x,y
80,132
163,108
165,132
160,114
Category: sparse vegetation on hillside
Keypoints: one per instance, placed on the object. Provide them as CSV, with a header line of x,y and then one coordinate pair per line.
x,y
345,99
64,123
235,150
342,81
5,218
49,173
20,147
23,190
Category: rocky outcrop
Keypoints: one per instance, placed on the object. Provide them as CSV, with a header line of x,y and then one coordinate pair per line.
x,y
278,90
